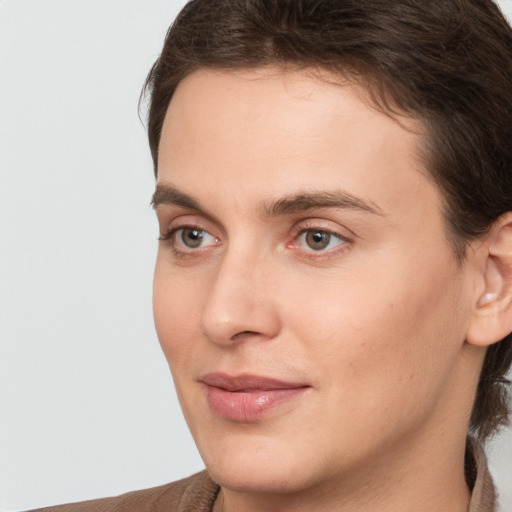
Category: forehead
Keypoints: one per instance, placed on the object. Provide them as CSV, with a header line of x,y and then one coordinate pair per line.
x,y
258,130
316,96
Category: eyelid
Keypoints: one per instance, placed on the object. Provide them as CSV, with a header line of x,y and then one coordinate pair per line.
x,y
169,234
183,222
324,226
328,226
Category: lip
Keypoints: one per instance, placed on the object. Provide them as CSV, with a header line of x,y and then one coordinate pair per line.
x,y
248,397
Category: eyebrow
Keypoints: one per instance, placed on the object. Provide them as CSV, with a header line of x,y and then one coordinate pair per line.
x,y
167,195
302,202
311,200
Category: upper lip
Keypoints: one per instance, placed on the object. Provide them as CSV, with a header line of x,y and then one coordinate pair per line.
x,y
247,382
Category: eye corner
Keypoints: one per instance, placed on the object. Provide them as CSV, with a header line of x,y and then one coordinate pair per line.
x,y
319,240
188,240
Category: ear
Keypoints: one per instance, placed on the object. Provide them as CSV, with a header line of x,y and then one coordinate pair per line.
x,y
492,312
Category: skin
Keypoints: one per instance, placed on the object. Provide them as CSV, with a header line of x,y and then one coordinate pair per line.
x,y
375,323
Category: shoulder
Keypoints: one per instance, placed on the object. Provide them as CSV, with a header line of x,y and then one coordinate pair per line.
x,y
196,493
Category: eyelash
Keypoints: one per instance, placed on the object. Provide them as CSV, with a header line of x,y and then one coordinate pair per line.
x,y
302,229
298,231
170,238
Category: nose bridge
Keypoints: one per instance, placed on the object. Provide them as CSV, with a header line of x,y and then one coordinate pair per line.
x,y
240,299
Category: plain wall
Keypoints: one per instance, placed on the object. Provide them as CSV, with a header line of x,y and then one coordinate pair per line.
x,y
87,406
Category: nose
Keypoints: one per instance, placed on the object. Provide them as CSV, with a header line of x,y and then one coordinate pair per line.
x,y
241,303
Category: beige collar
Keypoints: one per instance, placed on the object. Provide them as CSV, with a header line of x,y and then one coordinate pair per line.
x,y
482,496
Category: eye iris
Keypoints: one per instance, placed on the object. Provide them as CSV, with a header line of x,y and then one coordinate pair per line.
x,y
192,237
318,240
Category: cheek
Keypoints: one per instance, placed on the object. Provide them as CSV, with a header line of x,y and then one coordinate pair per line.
x,y
176,306
382,329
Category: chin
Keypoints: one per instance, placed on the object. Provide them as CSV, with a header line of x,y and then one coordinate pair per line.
x,y
260,467
257,479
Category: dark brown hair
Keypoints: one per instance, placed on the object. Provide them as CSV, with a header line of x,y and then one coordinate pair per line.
x,y
447,63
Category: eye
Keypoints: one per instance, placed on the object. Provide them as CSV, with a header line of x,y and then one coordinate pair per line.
x,y
319,240
193,237
186,238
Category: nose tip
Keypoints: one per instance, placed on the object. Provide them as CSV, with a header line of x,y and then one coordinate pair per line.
x,y
239,307
235,320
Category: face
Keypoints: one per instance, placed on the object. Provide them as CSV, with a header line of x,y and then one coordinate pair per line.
x,y
306,296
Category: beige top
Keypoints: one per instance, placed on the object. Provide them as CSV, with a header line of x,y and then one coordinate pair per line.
x,y
197,493
482,496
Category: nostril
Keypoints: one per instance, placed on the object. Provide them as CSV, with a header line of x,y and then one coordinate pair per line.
x,y
243,334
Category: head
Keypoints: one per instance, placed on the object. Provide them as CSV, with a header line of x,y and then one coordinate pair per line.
x,y
447,64
440,71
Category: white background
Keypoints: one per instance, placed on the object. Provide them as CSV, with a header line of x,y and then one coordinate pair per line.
x,y
87,407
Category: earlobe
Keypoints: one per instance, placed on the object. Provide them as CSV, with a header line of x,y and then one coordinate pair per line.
x,y
487,298
492,315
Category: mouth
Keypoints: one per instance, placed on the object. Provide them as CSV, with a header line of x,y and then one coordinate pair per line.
x,y
246,398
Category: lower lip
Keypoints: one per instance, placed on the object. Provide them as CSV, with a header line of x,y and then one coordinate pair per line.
x,y
249,405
